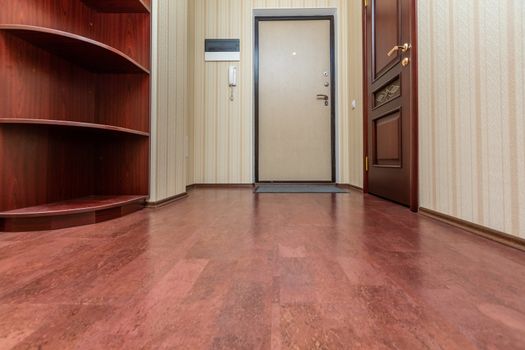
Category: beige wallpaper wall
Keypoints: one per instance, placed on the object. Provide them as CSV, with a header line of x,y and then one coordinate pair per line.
x,y
472,111
221,131
170,106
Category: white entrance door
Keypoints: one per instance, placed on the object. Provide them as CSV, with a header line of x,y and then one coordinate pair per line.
x,y
294,101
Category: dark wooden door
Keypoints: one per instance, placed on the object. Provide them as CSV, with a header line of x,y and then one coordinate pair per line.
x,y
391,121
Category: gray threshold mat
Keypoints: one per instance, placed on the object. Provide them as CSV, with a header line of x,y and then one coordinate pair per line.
x,y
298,188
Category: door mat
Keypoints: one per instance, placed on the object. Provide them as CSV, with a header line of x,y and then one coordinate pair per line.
x,y
298,188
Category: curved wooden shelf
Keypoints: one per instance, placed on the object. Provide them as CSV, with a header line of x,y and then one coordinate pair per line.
x,y
66,123
90,54
118,6
74,206
70,213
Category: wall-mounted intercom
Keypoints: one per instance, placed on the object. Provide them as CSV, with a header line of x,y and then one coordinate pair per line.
x,y
232,76
222,50
232,81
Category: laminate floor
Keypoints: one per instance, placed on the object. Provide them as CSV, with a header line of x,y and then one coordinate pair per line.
x,y
229,269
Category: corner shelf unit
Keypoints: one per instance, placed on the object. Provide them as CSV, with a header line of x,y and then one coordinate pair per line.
x,y
74,112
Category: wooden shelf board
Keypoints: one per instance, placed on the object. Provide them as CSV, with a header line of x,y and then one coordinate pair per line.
x,y
74,206
66,123
90,54
118,6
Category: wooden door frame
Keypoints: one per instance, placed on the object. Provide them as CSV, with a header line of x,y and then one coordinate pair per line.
x,y
330,18
414,144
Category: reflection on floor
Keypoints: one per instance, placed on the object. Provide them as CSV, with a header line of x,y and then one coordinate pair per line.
x,y
229,269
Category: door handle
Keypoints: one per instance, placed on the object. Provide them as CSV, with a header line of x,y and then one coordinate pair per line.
x,y
325,98
396,48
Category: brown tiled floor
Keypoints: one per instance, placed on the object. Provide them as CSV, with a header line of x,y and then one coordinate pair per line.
x,y
227,269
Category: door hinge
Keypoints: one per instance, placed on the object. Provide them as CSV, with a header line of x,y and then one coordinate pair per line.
x,y
365,3
366,164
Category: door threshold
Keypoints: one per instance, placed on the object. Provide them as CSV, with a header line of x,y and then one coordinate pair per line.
x,y
295,183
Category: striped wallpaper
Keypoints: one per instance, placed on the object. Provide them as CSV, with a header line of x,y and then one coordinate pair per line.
x,y
170,99
221,131
472,111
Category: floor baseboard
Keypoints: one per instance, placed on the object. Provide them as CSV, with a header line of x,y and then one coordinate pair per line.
x,y
349,187
166,201
218,186
493,235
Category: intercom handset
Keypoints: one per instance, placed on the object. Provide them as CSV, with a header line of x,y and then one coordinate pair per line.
x,y
232,76
232,80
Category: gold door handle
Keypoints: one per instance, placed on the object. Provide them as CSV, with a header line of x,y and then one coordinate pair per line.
x,y
396,48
